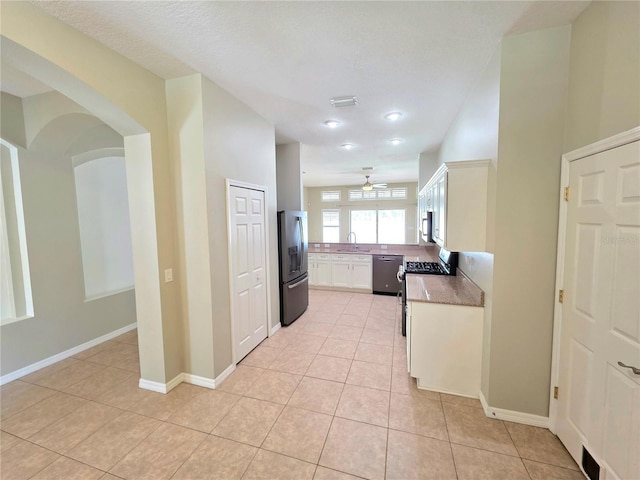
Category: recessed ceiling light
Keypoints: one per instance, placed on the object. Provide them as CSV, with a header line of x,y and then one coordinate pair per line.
x,y
395,141
347,146
344,101
393,116
332,123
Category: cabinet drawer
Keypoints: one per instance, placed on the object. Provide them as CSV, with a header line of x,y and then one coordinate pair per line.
x,y
341,258
322,256
361,258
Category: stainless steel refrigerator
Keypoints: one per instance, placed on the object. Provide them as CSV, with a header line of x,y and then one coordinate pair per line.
x,y
292,252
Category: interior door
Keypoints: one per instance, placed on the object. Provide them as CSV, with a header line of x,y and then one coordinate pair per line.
x,y
599,400
248,268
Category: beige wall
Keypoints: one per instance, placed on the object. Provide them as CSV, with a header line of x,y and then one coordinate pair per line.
x,y
186,142
314,206
533,96
289,177
604,82
215,137
239,145
12,120
62,319
515,116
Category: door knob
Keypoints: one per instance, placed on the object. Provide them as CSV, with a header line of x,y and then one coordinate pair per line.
x,y
635,370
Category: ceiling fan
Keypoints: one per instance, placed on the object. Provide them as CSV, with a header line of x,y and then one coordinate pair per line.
x,y
370,186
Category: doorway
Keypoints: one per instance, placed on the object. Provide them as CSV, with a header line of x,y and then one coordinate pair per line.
x,y
248,248
597,327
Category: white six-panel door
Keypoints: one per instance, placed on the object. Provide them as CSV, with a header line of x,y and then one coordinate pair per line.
x,y
248,268
599,400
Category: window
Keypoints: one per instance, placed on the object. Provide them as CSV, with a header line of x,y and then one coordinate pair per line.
x,y
363,224
391,226
330,226
399,193
379,226
16,301
331,196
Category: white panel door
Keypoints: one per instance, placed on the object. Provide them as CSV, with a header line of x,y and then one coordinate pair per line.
x,y
248,260
599,400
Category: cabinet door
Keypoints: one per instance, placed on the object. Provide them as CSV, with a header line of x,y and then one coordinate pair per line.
x,y
361,274
340,271
323,273
313,271
409,336
439,211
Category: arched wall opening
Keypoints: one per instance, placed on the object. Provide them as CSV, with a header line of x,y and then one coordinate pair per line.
x,y
143,203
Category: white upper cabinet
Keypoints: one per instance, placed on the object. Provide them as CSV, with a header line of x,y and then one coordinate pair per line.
x,y
457,195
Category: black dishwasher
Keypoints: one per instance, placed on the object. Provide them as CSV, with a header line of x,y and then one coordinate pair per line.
x,y
385,270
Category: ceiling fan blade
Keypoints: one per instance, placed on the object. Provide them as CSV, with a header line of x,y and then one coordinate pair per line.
x,y
379,185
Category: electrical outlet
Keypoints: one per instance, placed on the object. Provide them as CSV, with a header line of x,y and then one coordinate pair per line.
x,y
383,247
168,275
317,245
326,245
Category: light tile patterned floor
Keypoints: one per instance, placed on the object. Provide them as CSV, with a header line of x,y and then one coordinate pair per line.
x,y
325,398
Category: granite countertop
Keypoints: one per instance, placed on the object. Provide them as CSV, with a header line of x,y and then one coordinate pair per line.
x,y
409,252
450,290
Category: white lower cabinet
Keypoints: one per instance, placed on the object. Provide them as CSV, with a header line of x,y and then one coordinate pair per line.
x,y
444,347
344,271
340,271
319,269
361,274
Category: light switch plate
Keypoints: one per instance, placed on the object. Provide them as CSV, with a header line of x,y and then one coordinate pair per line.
x,y
168,275
383,247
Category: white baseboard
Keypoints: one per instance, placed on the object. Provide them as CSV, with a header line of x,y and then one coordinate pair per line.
x,y
513,416
187,378
199,381
275,328
153,386
227,371
10,377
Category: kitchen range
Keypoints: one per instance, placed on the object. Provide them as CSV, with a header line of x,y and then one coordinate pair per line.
x,y
447,265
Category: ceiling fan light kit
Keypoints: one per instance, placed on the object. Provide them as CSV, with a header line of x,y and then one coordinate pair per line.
x,y
370,186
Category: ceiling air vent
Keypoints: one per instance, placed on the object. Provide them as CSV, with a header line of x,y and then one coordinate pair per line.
x,y
344,101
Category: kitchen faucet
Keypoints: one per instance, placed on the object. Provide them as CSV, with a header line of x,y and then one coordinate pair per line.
x,y
355,241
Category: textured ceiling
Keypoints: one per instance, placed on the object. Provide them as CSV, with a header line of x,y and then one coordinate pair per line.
x,y
287,59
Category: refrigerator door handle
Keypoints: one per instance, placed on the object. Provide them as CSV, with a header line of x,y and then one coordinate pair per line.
x,y
305,279
300,222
